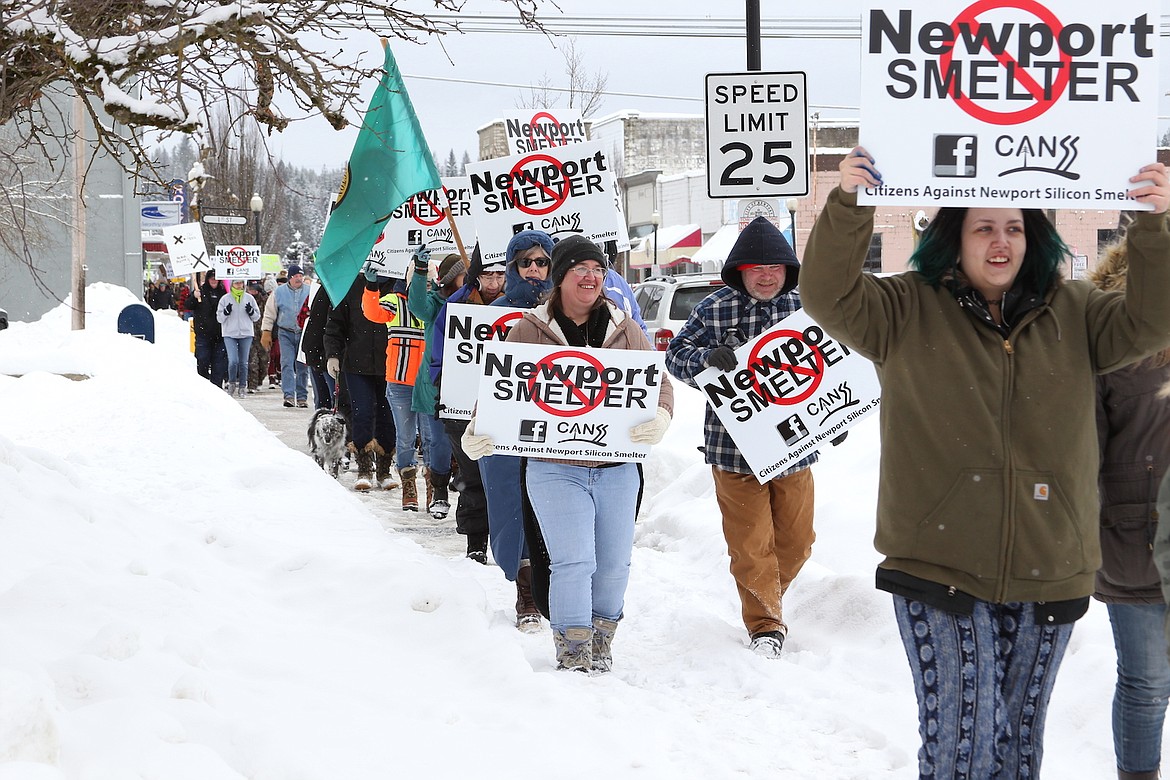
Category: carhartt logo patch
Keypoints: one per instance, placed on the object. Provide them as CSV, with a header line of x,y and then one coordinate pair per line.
x,y
1040,491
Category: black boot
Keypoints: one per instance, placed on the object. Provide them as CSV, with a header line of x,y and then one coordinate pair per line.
x,y
477,545
440,504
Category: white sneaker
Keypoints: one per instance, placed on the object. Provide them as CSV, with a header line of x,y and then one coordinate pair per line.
x,y
767,644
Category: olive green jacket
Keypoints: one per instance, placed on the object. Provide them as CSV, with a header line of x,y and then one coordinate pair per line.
x,y
989,456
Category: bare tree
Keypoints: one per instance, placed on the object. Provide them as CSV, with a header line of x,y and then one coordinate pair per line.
x,y
585,90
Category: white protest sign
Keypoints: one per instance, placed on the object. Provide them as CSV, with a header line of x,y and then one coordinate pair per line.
x,y
422,220
1009,102
238,262
757,134
795,389
563,191
186,248
467,329
543,128
567,402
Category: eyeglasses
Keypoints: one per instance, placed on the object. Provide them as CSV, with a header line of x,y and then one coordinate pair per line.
x,y
539,262
581,271
492,274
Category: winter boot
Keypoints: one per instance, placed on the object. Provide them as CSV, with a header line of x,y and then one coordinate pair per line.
x,y
382,468
1151,775
427,483
438,503
409,489
243,390
231,389
527,615
767,643
574,649
365,467
603,631
477,545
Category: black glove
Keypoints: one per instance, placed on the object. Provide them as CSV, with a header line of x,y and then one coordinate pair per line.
x,y
722,358
248,309
838,439
227,310
422,259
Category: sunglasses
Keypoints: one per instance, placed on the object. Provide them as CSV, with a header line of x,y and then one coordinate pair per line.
x,y
539,262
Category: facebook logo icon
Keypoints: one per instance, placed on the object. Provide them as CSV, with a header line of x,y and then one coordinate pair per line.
x,y
792,429
533,430
954,156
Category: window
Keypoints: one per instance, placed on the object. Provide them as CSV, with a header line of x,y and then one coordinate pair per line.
x,y
873,258
648,299
686,299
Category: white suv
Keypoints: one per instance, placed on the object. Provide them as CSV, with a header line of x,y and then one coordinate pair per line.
x,y
667,301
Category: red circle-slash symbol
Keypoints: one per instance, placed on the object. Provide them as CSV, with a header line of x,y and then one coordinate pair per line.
x,y
545,368
558,197
758,366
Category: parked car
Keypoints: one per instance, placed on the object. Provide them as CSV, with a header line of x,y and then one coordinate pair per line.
x,y
667,301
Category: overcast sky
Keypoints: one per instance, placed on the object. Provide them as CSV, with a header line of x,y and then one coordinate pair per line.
x,y
450,113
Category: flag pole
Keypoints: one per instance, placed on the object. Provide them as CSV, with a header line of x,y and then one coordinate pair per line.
x,y
447,208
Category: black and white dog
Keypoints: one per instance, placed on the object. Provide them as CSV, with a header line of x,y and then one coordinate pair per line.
x,y
328,433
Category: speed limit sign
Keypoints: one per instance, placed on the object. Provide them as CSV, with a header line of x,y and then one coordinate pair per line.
x,y
757,134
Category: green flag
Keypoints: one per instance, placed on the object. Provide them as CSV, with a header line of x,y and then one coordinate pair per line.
x,y
390,162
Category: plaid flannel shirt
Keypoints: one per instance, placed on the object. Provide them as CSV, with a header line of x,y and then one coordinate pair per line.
x,y
708,327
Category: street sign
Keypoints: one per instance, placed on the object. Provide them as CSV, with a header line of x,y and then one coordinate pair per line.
x,y
223,219
757,134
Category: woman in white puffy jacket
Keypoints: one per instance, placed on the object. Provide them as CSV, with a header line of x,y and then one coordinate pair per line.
x,y
236,313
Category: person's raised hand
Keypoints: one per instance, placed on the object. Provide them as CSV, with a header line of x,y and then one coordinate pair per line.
x,y
1157,188
857,170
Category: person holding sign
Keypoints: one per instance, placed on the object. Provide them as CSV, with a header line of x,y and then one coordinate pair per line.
x,y
987,505
584,509
211,360
768,527
236,312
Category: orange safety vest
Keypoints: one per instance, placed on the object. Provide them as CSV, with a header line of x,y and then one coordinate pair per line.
x,y
406,337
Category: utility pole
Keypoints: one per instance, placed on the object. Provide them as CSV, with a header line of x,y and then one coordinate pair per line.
x,y
77,281
752,15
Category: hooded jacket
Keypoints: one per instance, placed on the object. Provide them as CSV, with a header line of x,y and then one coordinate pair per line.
x,y
730,317
359,343
988,483
1133,430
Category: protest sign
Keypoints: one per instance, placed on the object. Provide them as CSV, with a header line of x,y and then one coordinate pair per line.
x,y
794,389
186,248
238,262
562,191
1009,102
566,402
467,329
543,128
423,220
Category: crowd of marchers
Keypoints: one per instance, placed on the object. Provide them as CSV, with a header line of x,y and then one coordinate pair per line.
x,y
1025,442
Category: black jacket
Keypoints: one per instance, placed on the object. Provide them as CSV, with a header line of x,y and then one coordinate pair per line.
x,y
358,342
205,321
313,340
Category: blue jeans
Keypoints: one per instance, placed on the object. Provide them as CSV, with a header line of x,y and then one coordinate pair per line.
x,y
369,411
324,386
211,358
586,516
237,358
501,484
983,683
438,446
407,424
294,375
1143,685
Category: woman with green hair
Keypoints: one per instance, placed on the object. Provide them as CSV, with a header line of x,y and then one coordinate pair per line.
x,y
987,510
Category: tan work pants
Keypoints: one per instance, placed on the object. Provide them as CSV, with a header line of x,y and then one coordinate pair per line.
x,y
769,533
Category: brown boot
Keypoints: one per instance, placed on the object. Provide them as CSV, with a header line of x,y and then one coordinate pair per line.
x,y
365,467
1152,775
527,615
409,489
383,473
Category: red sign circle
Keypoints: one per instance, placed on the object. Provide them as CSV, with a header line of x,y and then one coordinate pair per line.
x,y
586,406
436,208
500,327
237,256
1042,104
559,197
817,374
556,124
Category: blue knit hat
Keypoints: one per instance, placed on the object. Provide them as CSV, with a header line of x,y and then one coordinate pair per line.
x,y
760,243
526,239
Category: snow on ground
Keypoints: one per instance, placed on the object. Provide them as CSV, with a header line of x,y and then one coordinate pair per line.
x,y
184,597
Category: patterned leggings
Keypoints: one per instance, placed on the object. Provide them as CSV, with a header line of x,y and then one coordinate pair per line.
x,y
983,682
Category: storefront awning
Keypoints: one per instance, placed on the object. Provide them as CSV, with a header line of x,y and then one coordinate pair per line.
x,y
676,243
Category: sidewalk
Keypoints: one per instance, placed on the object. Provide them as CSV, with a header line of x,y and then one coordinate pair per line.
x,y
291,427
